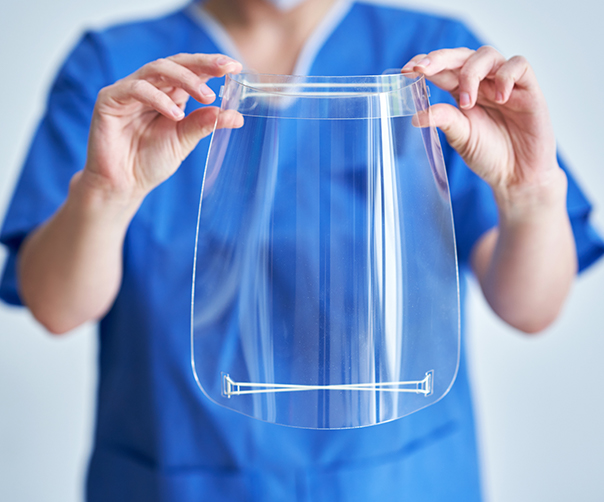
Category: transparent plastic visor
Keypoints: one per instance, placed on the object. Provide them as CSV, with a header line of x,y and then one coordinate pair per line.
x,y
325,286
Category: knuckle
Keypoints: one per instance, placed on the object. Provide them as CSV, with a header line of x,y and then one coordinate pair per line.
x,y
488,50
469,74
153,65
439,53
104,93
157,66
138,86
520,60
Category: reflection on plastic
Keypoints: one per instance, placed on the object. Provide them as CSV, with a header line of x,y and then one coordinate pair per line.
x,y
325,288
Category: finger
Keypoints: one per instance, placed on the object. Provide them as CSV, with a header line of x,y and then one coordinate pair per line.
x,y
408,67
201,122
166,72
230,119
443,59
516,71
479,65
197,125
179,96
454,124
208,65
441,67
128,91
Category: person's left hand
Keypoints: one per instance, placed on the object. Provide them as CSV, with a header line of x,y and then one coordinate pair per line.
x,y
502,127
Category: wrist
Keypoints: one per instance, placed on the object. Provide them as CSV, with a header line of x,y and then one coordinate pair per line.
x,y
97,200
544,198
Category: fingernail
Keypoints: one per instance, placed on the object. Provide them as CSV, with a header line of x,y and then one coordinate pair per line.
x,y
206,91
424,63
499,97
464,99
177,112
221,61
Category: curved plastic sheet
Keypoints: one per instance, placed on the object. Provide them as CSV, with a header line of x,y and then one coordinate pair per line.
x,y
325,287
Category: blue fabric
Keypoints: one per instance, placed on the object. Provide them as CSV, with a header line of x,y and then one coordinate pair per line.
x,y
157,437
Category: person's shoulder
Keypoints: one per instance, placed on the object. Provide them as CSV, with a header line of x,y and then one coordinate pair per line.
x,y
128,45
154,30
397,15
397,21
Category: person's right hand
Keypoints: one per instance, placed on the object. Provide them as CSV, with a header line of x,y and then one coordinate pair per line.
x,y
139,134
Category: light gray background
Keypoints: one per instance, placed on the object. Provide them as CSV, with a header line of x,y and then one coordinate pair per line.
x,y
538,399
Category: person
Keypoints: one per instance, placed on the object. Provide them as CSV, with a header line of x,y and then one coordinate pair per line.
x,y
101,227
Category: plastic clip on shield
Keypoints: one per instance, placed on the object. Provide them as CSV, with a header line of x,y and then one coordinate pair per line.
x,y
325,288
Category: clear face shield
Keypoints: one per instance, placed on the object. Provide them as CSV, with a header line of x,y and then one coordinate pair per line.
x,y
325,285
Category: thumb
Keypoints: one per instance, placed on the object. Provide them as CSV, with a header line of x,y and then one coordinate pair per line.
x,y
453,123
199,123
195,126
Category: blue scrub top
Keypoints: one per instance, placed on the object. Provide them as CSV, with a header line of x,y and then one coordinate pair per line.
x,y
157,437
